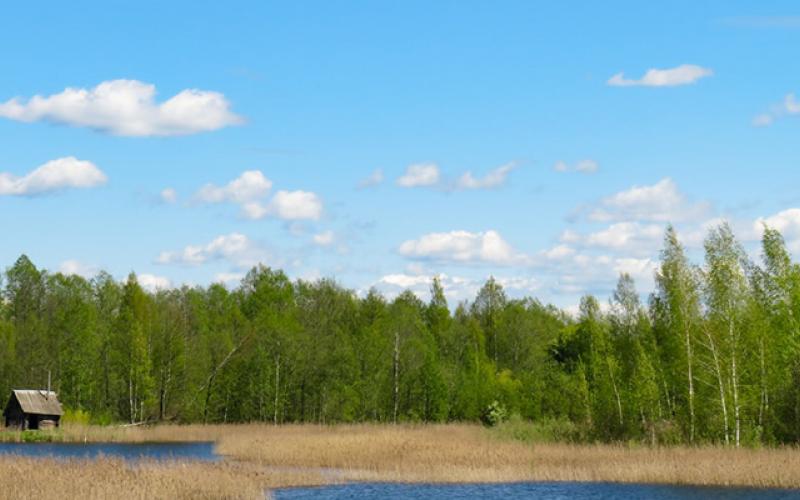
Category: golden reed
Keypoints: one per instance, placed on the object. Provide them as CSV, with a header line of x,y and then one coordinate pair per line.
x,y
259,457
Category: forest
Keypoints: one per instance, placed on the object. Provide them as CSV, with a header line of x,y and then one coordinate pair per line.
x,y
712,355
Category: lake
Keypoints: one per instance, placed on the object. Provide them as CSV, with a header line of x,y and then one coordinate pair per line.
x,y
197,451
545,491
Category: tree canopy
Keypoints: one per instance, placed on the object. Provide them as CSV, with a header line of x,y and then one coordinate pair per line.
x,y
712,356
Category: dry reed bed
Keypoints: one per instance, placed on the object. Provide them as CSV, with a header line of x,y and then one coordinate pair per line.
x,y
108,478
464,453
264,456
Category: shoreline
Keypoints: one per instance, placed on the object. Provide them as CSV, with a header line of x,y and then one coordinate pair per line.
x,y
259,457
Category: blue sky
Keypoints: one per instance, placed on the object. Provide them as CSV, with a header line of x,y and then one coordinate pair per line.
x,y
320,109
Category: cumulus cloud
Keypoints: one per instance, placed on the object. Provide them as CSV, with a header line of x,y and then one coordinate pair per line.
x,y
295,205
684,74
420,175
250,185
374,179
632,237
456,288
127,108
228,279
583,167
582,273
464,247
78,268
153,283
660,202
250,191
493,179
55,175
789,106
786,221
235,248
558,252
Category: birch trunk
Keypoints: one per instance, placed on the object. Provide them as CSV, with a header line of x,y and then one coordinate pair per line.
x,y
277,387
734,380
687,336
721,384
396,375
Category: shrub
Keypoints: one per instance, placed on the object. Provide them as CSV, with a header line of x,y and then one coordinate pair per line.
x,y
81,417
494,414
545,431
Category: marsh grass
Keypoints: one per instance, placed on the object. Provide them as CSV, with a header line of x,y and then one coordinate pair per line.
x,y
260,456
108,478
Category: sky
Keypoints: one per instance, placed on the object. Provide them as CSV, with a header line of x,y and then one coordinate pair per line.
x,y
547,144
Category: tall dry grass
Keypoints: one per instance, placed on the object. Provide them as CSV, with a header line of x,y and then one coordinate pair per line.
x,y
467,453
263,456
27,478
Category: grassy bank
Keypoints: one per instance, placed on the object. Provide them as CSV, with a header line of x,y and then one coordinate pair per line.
x,y
262,456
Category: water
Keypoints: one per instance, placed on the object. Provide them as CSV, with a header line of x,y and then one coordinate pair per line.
x,y
129,451
544,491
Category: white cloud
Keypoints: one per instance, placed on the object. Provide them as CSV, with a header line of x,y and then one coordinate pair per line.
x,y
168,195
418,175
641,270
786,221
153,283
406,281
55,175
78,268
627,236
249,186
228,278
582,273
295,205
456,288
661,202
558,252
127,108
519,283
684,74
235,248
374,179
324,238
583,167
462,246
789,106
250,191
493,179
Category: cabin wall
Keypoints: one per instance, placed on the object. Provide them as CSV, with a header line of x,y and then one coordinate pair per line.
x,y
14,417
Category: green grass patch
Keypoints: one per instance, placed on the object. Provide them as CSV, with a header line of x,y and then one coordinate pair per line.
x,y
544,431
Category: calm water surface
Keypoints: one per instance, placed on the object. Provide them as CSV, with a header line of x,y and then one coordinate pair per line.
x,y
548,491
128,451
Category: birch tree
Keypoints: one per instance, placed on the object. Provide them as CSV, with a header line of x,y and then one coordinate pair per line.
x,y
726,296
678,294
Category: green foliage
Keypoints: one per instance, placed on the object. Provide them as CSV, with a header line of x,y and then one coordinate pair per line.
x,y
494,414
549,430
713,357
81,417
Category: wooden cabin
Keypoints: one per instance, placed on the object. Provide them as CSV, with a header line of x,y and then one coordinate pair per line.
x,y
31,409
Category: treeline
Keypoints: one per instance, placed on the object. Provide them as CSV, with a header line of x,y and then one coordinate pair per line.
x,y
713,357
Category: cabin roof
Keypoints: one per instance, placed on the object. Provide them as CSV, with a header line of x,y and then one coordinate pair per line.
x,y
38,402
